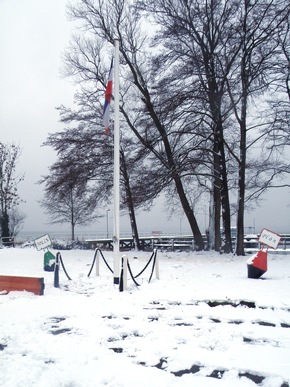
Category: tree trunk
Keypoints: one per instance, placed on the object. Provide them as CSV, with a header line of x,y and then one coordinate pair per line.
x,y
198,239
134,228
242,123
226,212
5,232
130,202
171,166
210,233
217,198
72,232
241,192
220,168
242,165
221,194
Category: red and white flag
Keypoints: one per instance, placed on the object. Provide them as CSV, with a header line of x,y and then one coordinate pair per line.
x,y
108,97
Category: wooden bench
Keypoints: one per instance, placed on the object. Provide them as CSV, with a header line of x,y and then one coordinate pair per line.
x,y
30,284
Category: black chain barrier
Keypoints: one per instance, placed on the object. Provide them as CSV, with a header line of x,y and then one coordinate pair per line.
x,y
59,260
94,260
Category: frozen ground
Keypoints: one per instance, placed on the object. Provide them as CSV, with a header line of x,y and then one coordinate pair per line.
x,y
203,323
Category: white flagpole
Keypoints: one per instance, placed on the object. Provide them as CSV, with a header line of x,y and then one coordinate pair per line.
x,y
116,235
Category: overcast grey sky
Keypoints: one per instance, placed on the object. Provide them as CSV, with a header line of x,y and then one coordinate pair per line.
x,y
33,35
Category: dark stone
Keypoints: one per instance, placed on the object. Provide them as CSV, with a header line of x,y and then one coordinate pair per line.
x,y
60,331
217,374
193,370
117,350
255,378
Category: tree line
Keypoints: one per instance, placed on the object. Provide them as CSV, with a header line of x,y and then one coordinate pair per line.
x,y
204,103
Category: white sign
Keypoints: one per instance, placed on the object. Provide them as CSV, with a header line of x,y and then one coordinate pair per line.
x,y
42,242
269,238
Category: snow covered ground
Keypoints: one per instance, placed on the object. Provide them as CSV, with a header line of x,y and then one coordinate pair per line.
x,y
203,323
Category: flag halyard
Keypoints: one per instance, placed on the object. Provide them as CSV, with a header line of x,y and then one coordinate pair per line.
x,y
108,97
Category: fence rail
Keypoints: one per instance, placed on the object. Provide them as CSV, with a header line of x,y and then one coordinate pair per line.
x,y
183,242
155,240
252,242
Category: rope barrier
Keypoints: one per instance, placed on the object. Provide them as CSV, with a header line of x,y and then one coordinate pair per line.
x,y
124,267
153,266
62,264
59,260
94,260
153,253
131,274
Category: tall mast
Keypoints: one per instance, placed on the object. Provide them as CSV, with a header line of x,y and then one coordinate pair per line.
x,y
116,229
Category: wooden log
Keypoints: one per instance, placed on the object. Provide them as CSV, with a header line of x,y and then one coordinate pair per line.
x,y
30,284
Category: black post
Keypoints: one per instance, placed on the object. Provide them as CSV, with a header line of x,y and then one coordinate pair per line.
x,y
121,284
56,271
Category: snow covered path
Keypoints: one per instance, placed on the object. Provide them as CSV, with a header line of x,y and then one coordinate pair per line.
x,y
204,323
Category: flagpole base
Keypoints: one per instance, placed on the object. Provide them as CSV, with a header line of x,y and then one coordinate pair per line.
x,y
116,280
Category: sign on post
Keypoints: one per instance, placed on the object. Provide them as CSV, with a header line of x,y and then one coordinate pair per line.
x,y
269,238
42,242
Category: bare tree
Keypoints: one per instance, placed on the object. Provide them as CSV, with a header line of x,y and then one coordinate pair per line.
x,y
16,220
197,44
185,94
69,204
105,21
260,27
226,50
88,152
9,198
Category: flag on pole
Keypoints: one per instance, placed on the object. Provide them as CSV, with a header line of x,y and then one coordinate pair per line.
x,y
108,96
